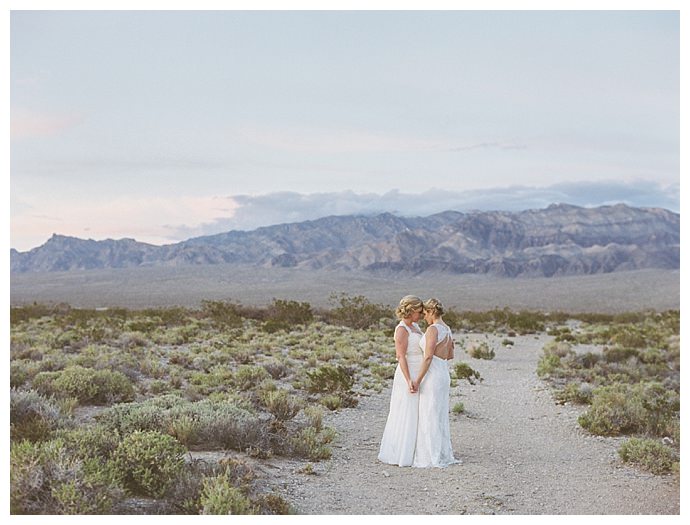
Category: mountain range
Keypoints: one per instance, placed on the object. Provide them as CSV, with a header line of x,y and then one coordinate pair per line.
x,y
558,240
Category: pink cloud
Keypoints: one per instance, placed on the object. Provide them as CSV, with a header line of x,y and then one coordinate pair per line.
x,y
30,124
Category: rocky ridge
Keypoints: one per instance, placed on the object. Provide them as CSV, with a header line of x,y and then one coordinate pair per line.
x,y
558,240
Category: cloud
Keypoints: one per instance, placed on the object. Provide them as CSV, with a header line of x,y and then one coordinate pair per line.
x,y
144,219
489,145
253,211
29,124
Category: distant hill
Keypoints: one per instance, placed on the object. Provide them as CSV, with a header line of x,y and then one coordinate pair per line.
x,y
558,240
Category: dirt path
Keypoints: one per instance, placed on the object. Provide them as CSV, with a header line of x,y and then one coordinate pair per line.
x,y
521,454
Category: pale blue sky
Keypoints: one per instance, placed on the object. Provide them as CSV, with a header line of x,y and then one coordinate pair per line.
x,y
165,125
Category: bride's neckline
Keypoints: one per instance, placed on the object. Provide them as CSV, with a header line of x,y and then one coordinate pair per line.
x,y
412,326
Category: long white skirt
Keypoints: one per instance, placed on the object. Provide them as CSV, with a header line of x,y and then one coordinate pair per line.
x,y
400,435
433,447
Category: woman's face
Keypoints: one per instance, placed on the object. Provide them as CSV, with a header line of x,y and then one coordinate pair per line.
x,y
428,317
416,315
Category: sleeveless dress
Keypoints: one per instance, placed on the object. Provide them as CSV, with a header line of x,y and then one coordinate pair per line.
x,y
433,447
400,435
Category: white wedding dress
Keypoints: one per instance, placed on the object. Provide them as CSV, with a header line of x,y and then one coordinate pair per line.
x,y
433,447
400,435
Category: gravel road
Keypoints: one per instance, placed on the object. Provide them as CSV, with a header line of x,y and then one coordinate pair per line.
x,y
521,453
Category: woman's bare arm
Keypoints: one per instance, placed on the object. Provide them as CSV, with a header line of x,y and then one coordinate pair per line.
x,y
401,338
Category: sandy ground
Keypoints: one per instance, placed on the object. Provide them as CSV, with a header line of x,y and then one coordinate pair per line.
x,y
521,453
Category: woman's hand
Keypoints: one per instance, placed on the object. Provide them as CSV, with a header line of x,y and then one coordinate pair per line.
x,y
413,387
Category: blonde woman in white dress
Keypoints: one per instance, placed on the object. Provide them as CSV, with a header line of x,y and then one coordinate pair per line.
x,y
400,435
433,447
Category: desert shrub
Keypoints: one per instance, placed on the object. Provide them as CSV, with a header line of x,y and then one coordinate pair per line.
x,y
86,384
20,314
458,408
220,496
217,377
46,479
575,392
290,312
630,336
22,371
558,348
480,350
525,322
185,492
271,326
649,454
548,365
646,408
248,377
149,461
281,405
166,316
273,504
90,441
331,401
588,359
277,369
33,416
209,422
223,314
356,311
507,342
312,444
185,428
314,416
465,371
384,371
619,354
333,380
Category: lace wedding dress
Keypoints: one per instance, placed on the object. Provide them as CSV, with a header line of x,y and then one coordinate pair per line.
x,y
433,447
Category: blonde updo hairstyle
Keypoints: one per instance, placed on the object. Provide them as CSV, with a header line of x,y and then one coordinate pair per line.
x,y
434,306
408,305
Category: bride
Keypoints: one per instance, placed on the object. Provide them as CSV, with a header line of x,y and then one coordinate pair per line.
x,y
433,447
400,434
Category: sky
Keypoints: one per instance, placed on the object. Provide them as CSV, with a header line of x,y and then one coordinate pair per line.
x,y
166,125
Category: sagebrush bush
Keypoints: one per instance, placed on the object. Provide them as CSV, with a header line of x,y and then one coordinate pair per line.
x,y
86,384
277,369
480,350
465,371
330,379
287,313
312,444
356,311
223,314
220,496
46,479
649,454
209,422
332,401
33,416
576,392
646,408
148,462
282,405
248,377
